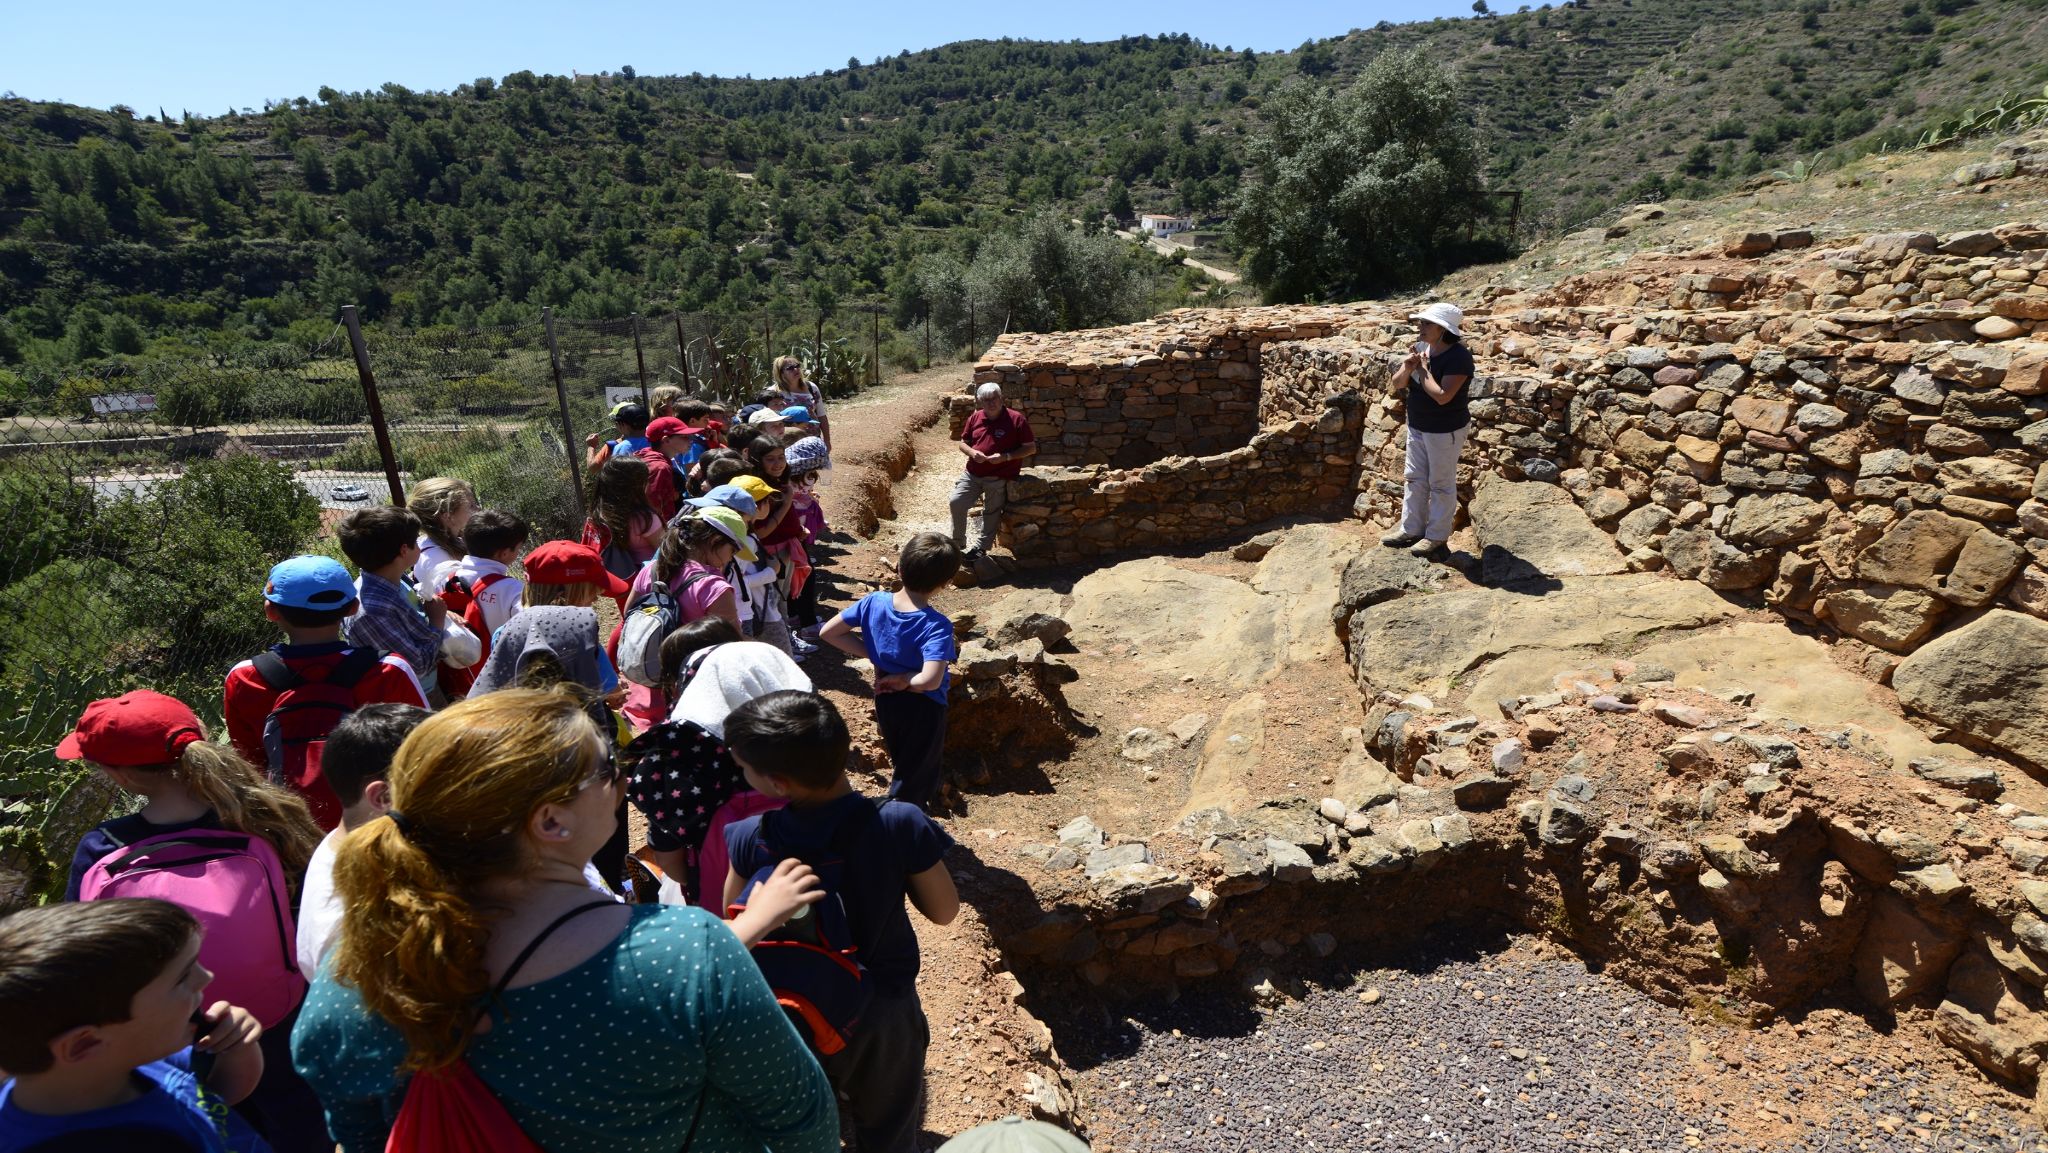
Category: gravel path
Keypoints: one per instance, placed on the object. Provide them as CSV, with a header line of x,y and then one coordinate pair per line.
x,y
1496,1051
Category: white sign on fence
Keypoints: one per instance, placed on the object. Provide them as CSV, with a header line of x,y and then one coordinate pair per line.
x,y
615,395
114,402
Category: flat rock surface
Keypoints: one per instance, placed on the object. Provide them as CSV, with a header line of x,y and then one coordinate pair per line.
x,y
1528,530
1420,643
1794,678
1186,621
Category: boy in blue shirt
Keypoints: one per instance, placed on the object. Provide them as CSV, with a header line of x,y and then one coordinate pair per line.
x,y
793,745
910,643
102,1000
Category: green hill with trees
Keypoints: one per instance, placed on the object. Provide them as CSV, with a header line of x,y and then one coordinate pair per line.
x,y
142,232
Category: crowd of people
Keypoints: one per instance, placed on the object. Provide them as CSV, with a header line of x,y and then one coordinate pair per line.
x,y
396,905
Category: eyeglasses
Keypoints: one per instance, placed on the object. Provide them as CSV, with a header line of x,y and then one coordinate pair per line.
x,y
609,773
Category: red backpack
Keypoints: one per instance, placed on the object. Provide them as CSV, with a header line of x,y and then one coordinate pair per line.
x,y
451,1110
233,883
466,601
295,732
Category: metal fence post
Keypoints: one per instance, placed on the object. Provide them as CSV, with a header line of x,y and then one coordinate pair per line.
x,y
878,345
369,382
640,358
570,445
818,345
683,352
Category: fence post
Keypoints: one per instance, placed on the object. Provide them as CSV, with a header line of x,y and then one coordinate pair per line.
x,y
640,359
768,345
878,345
927,335
570,445
818,344
970,329
683,352
369,382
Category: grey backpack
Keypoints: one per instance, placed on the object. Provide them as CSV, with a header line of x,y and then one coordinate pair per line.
x,y
648,622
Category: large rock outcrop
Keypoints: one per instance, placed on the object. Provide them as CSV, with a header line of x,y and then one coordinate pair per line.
x,y
1988,681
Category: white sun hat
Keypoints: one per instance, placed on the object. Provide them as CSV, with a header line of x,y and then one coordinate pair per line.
x,y
1448,317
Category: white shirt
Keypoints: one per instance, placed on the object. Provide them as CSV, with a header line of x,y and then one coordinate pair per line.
x,y
432,556
319,908
500,601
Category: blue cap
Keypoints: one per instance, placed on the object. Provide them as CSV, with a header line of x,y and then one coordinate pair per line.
x,y
797,414
317,583
729,496
746,411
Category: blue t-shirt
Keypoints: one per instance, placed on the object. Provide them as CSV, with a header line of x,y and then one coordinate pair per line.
x,y
903,642
174,1112
627,445
874,882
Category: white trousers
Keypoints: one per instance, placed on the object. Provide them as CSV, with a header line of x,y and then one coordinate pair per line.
x,y
1429,500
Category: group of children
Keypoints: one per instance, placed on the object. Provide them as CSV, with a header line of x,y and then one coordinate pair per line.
x,y
255,862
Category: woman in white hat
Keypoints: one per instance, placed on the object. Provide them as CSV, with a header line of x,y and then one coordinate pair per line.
x,y
1437,371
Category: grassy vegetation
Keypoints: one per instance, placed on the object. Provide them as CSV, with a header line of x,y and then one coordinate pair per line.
x,y
166,234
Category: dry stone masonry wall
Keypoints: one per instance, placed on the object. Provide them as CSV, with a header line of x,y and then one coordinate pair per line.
x,y
1160,433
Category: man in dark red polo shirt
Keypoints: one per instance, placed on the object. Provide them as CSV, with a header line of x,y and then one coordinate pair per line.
x,y
996,442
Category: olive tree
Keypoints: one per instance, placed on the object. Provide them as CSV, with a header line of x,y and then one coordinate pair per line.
x,y
1349,193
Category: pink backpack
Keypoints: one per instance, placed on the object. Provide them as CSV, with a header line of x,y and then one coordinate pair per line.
x,y
234,884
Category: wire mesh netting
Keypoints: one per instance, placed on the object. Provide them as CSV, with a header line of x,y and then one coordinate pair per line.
x,y
142,509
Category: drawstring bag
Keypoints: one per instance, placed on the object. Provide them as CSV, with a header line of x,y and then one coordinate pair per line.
x,y
451,1110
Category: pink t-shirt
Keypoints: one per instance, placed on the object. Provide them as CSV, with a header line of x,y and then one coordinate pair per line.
x,y
642,707
712,862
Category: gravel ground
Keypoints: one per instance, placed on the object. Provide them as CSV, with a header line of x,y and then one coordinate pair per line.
x,y
1511,1049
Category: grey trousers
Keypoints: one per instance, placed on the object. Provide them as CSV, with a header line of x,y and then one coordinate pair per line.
x,y
992,491
1429,499
880,1073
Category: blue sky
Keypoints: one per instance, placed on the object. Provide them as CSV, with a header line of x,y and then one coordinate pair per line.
x,y
209,57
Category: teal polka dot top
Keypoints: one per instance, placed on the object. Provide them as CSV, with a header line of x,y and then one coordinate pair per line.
x,y
609,1057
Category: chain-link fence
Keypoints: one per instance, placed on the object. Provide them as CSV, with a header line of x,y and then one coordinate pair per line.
x,y
142,507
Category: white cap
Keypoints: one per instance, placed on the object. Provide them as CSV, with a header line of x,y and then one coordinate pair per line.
x,y
987,390
1448,317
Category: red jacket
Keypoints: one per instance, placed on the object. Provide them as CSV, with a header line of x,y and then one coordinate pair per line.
x,y
661,483
247,700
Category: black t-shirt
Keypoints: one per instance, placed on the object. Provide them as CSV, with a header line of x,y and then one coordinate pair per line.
x,y
874,887
1424,413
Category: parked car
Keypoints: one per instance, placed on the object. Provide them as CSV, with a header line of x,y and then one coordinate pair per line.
x,y
350,492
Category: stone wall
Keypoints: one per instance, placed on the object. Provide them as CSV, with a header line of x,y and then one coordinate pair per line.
x,y
1877,462
1167,433
1183,384
1060,515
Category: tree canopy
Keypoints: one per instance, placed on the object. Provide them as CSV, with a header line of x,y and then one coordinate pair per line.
x,y
1350,192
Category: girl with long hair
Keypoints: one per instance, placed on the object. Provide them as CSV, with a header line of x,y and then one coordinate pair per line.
x,y
444,506
623,526
152,746
644,1027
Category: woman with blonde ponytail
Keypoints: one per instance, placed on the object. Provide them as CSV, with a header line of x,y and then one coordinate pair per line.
x,y
470,934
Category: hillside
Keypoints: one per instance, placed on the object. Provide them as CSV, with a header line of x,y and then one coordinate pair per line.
x,y
600,195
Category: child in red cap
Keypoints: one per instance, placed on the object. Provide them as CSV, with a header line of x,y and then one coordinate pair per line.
x,y
154,747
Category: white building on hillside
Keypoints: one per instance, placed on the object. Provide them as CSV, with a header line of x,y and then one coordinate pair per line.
x,y
1161,225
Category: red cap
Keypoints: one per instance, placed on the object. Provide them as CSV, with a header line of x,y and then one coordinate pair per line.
x,y
138,728
565,562
668,426
714,423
